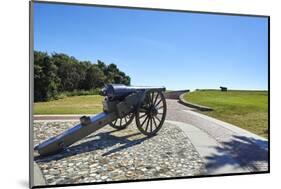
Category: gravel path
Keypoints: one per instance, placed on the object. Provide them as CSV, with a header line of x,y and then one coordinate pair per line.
x,y
110,155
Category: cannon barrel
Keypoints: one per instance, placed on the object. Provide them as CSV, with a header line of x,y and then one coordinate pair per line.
x,y
119,91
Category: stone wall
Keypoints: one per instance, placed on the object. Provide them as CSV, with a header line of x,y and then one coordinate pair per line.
x,y
174,94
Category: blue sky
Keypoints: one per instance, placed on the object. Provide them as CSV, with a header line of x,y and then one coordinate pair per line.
x,y
157,48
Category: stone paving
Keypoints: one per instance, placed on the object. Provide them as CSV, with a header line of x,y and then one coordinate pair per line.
x,y
110,155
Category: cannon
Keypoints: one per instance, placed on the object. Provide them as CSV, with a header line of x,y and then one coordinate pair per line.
x,y
121,105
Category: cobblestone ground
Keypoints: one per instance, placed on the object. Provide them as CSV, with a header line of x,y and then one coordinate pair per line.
x,y
110,155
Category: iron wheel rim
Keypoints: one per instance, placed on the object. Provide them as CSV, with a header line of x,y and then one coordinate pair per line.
x,y
151,113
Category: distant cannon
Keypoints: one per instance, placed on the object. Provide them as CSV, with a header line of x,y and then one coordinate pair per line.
x,y
224,89
120,106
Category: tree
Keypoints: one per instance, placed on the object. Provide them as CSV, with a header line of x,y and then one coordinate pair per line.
x,y
114,75
102,66
69,75
46,80
94,78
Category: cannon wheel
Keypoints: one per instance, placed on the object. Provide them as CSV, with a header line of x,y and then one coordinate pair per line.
x,y
122,123
151,112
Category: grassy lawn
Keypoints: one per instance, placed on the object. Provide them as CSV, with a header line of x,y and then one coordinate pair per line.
x,y
89,104
246,109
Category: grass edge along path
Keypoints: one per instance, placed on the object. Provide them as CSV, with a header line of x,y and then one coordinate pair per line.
x,y
245,109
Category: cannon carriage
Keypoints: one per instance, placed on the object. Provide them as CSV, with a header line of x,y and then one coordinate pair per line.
x,y
121,106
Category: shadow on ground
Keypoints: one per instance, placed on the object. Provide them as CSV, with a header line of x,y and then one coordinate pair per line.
x,y
101,141
252,154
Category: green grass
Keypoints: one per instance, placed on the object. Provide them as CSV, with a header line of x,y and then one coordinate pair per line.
x,y
246,109
90,104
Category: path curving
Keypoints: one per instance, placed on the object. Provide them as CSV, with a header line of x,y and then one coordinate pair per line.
x,y
250,150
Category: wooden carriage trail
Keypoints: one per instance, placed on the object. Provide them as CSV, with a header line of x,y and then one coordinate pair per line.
x,y
188,144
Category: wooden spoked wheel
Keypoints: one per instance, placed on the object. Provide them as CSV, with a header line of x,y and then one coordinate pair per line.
x,y
151,113
122,123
